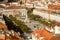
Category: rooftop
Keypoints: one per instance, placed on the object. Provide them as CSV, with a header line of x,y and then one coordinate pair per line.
x,y
42,33
54,7
10,37
2,25
15,37
14,7
47,35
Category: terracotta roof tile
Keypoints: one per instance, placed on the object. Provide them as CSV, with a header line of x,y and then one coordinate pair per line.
x,y
15,37
54,7
55,38
2,25
43,33
14,7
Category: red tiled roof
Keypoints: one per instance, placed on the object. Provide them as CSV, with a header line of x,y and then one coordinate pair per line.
x,y
15,37
44,33
14,7
54,7
55,38
2,25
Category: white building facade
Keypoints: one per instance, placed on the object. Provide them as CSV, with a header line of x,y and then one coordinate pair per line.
x,y
46,15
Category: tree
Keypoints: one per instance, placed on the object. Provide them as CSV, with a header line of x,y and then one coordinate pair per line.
x,y
20,23
11,25
33,17
38,18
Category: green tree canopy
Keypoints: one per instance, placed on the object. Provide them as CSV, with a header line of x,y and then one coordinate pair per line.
x,y
21,24
11,26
